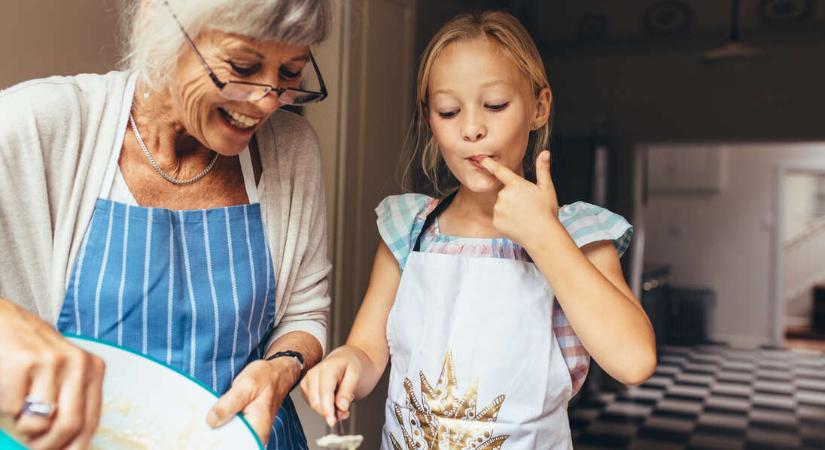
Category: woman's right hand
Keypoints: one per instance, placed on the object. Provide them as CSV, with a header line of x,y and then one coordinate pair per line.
x,y
39,364
329,387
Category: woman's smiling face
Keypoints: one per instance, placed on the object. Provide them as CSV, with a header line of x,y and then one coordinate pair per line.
x,y
479,106
226,126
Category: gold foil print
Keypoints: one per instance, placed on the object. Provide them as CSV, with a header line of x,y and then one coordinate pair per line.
x,y
442,420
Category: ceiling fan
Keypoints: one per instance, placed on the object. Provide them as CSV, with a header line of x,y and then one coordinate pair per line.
x,y
733,50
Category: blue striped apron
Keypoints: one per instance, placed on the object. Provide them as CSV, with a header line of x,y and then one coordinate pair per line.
x,y
193,288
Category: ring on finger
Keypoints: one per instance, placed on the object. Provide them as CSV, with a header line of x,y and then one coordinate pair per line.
x,y
33,407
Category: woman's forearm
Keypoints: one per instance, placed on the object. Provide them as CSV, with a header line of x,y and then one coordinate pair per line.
x,y
302,342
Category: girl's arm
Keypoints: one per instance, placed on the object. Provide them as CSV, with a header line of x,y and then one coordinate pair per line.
x,y
588,282
351,372
600,306
369,332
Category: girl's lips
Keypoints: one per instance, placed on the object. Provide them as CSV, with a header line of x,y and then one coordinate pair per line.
x,y
476,160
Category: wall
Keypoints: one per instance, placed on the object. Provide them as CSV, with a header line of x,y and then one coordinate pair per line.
x,y
379,69
41,38
723,241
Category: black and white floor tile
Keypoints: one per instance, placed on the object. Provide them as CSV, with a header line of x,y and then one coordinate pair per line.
x,y
712,397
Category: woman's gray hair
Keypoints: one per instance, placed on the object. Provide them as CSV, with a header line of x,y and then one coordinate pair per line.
x,y
154,38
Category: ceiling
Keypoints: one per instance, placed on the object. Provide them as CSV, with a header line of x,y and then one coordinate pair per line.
x,y
562,25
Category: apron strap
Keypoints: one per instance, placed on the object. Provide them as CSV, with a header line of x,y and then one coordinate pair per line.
x,y
442,205
123,121
245,159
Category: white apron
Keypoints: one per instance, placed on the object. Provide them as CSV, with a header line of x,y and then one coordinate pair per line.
x,y
475,364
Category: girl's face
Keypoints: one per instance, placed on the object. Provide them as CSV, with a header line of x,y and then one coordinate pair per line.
x,y
481,106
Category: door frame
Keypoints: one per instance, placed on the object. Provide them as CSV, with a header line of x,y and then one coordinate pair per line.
x,y
777,325
356,51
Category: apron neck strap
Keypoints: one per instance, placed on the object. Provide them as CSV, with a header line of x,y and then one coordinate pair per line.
x,y
442,205
245,158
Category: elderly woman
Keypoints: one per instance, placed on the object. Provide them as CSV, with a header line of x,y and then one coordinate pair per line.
x,y
173,209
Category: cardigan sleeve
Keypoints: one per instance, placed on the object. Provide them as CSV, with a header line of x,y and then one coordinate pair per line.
x,y
39,145
308,306
297,214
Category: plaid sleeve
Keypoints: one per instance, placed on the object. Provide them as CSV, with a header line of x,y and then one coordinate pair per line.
x,y
397,222
574,353
588,223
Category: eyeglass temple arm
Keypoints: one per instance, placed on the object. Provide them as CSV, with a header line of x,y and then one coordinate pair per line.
x,y
318,71
214,77
205,65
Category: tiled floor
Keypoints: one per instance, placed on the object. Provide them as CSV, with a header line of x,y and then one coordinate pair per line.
x,y
712,397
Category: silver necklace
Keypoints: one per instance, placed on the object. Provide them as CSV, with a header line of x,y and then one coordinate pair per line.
x,y
156,166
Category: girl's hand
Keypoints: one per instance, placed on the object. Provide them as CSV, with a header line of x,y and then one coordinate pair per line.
x,y
258,391
329,388
38,364
523,210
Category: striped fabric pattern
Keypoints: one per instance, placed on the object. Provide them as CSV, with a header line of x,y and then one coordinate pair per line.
x,y
401,218
195,289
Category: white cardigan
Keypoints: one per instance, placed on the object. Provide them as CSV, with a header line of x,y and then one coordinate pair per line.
x,y
56,137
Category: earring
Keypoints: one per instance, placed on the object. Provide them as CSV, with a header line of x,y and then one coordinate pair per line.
x,y
145,95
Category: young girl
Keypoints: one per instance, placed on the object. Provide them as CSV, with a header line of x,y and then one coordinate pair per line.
x,y
462,289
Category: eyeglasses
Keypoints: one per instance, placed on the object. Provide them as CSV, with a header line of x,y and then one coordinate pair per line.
x,y
252,92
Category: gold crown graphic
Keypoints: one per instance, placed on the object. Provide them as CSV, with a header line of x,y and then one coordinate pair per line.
x,y
443,421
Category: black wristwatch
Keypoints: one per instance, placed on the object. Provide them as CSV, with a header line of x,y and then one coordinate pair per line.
x,y
291,354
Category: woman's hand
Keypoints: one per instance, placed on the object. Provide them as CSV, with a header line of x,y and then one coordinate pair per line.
x,y
329,388
523,209
258,391
40,365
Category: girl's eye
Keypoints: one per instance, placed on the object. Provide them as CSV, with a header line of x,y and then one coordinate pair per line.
x,y
498,106
244,71
448,114
289,75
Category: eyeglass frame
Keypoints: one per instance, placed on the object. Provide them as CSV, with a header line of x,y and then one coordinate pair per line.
x,y
220,84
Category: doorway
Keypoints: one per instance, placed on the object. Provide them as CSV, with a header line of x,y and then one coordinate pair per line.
x,y
710,214
799,253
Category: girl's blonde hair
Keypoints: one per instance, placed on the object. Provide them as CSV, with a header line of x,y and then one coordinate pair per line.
x,y
432,176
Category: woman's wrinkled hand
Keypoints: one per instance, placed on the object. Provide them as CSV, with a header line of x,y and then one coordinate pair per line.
x,y
257,392
329,388
51,388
